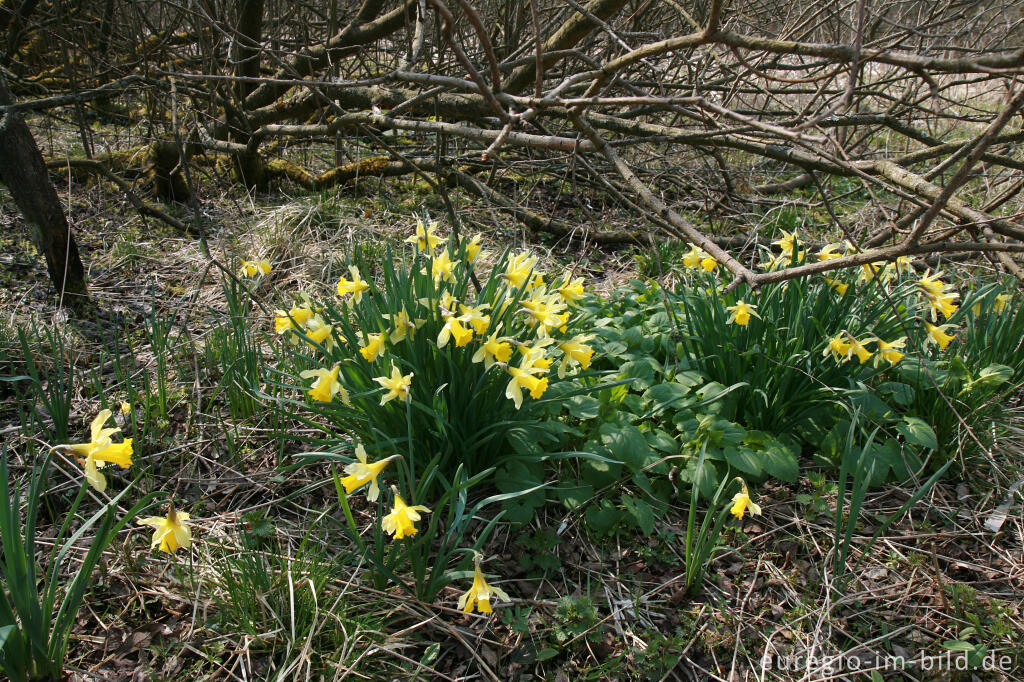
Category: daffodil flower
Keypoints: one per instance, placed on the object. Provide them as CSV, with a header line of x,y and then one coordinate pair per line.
x,y
252,268
126,407
889,351
857,348
171,532
318,331
830,251
402,519
1002,302
572,291
473,249
694,257
362,472
356,286
453,328
398,386
326,385
787,242
479,595
741,312
519,268
441,267
942,303
101,450
404,327
938,335
838,285
425,239
838,347
524,378
296,318
493,350
868,271
373,348
741,502
476,317
575,352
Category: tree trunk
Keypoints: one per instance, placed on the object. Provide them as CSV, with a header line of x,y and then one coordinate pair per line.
x,y
23,170
248,33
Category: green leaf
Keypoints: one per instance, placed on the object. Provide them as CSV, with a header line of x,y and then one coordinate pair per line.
x,y
627,444
602,518
643,371
640,512
744,459
545,654
779,461
918,432
574,497
667,395
897,391
584,406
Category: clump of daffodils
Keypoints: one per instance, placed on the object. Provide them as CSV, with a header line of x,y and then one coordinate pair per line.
x,y
520,324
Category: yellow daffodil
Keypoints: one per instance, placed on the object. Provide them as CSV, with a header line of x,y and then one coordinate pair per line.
x,y
575,352
741,502
787,242
838,285
476,317
693,257
401,521
355,286
839,348
473,249
398,386
740,313
1002,303
708,263
938,335
425,239
171,532
533,363
100,450
126,407
441,267
536,282
546,312
857,348
571,291
318,331
454,328
868,271
942,303
374,347
830,251
404,326
519,268
493,350
362,472
252,268
931,284
479,595
296,318
889,351
326,385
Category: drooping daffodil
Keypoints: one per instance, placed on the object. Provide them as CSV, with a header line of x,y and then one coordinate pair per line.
x,y
479,595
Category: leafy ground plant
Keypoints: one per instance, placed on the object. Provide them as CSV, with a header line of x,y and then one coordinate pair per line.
x,y
38,607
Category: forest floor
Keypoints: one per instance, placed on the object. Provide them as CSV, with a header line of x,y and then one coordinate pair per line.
x,y
940,588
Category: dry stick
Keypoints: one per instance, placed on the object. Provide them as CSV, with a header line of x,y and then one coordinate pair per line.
x,y
136,201
961,176
538,47
485,42
447,23
535,222
685,229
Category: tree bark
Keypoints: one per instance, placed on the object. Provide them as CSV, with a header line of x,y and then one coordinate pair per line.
x,y
24,172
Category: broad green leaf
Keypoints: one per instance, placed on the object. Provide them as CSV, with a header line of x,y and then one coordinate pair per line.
x,y
640,512
918,432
